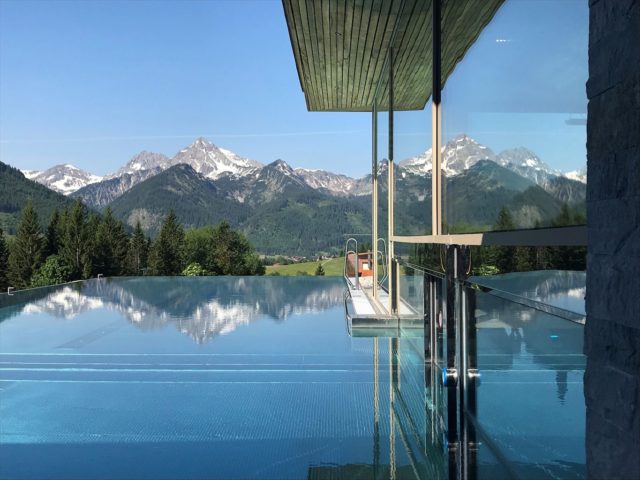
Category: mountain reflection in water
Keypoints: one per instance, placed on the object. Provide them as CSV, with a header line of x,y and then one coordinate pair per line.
x,y
201,307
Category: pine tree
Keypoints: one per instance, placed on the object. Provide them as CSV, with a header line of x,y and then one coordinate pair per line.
x,y
166,258
138,252
26,253
52,235
75,245
111,245
319,270
232,254
4,263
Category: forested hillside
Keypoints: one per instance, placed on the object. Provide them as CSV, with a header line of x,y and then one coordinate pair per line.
x,y
16,189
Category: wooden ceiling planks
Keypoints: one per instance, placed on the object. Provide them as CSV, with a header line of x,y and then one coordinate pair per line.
x,y
341,46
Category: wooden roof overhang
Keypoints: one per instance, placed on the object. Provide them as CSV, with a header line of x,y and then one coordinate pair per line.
x,y
340,47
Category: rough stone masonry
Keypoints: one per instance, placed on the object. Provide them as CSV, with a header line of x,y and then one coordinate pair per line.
x,y
612,334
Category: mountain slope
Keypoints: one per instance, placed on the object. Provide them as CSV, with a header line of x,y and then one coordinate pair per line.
x,y
102,193
281,214
16,189
195,199
474,198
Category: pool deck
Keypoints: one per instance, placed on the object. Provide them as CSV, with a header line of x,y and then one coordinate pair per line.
x,y
371,317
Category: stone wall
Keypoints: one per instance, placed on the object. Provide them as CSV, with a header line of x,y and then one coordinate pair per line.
x,y
612,334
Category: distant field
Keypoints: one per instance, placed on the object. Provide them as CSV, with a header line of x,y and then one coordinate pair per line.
x,y
332,268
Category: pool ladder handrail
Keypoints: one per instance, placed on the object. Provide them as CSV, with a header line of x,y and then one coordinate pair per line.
x,y
346,260
382,253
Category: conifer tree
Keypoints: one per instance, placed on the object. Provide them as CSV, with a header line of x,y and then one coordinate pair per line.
x,y
53,235
137,252
26,253
75,245
166,258
4,265
232,254
319,270
111,245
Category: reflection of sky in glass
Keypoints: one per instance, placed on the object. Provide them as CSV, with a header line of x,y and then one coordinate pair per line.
x,y
523,82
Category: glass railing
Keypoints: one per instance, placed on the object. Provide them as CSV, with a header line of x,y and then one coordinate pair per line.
x,y
514,407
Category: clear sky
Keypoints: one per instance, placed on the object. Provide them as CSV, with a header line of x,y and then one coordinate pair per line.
x,y
92,83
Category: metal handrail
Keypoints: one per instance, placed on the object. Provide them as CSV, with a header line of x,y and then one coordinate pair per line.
x,y
346,259
428,271
345,298
383,253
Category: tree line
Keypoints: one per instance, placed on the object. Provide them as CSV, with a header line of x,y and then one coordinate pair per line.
x,y
78,244
490,260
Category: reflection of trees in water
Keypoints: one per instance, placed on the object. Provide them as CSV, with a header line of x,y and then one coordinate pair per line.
x,y
202,307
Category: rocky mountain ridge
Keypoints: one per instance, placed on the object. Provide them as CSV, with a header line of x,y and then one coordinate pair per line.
x,y
213,162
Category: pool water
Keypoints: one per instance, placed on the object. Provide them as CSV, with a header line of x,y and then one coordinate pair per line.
x,y
257,378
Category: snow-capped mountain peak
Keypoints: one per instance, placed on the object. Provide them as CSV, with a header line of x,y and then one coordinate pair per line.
x,y
458,154
283,167
527,164
334,183
65,178
212,161
143,161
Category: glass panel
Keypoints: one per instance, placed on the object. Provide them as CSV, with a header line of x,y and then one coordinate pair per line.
x,y
382,109
514,120
412,157
492,260
530,401
411,290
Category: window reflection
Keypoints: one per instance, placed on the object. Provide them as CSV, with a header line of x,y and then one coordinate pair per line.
x,y
514,121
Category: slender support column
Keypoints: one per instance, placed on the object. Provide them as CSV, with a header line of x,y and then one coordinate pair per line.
x,y
436,125
374,198
451,373
390,197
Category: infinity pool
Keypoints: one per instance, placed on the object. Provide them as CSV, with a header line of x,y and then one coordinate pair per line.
x,y
257,378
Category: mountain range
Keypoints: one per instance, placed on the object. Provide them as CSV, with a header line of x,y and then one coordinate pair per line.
x,y
287,210
214,162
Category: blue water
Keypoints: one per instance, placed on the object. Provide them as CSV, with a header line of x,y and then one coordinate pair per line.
x,y
257,378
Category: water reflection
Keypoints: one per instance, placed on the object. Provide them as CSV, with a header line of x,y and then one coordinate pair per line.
x,y
199,307
559,288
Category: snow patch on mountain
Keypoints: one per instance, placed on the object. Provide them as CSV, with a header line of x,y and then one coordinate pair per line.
x,y
333,183
64,179
143,161
578,175
31,174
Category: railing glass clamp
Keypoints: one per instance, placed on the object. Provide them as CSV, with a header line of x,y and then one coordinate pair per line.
x,y
449,377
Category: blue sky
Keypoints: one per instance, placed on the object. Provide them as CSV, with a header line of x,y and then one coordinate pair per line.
x,y
92,83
